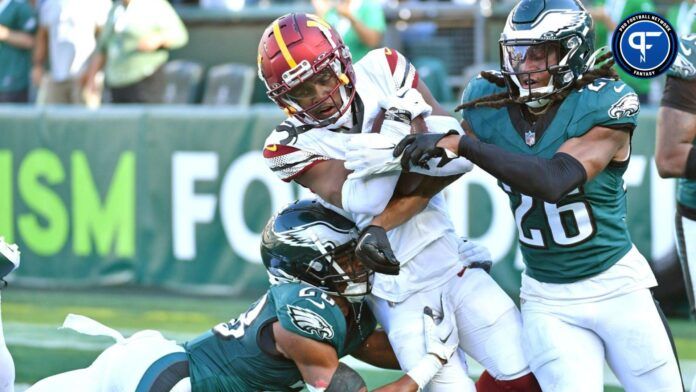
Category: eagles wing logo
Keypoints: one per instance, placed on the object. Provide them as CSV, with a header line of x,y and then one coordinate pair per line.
x,y
330,235
310,322
683,68
626,106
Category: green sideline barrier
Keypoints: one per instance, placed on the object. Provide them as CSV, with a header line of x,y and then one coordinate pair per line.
x,y
175,197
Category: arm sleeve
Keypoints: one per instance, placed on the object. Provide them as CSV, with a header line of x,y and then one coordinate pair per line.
x,y
368,195
546,179
680,94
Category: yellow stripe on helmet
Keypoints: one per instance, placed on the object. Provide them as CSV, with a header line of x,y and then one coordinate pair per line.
x,y
281,44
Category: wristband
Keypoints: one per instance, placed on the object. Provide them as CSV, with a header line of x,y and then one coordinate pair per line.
x,y
425,370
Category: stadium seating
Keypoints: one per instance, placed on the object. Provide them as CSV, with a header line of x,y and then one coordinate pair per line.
x,y
182,82
229,84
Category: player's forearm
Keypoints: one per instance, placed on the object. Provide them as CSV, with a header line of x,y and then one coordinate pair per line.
x,y
547,179
401,208
40,48
404,384
17,39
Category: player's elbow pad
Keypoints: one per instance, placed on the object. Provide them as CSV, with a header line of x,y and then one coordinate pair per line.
x,y
368,195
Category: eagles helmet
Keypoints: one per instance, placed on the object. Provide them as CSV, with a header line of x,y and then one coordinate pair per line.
x,y
538,30
295,48
310,243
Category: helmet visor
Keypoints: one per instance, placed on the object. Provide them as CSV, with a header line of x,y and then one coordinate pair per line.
x,y
532,64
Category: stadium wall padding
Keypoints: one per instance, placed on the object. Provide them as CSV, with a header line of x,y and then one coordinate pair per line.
x,y
175,197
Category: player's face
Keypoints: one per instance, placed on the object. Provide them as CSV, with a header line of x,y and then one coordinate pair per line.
x,y
531,63
321,90
352,268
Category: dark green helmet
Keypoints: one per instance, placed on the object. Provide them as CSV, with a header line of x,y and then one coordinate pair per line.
x,y
310,243
560,32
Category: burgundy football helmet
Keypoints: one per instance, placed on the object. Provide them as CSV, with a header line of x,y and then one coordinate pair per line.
x,y
295,48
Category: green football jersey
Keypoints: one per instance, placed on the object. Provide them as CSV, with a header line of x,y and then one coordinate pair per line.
x,y
585,233
240,355
684,67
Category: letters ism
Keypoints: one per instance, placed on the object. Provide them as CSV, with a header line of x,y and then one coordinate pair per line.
x,y
56,203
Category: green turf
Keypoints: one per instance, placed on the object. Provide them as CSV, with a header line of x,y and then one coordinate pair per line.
x,y
30,313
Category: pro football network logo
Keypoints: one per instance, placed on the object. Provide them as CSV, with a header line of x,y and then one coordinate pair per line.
x,y
644,45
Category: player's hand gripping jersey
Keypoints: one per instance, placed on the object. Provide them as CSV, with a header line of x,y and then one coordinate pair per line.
x,y
585,233
240,355
293,147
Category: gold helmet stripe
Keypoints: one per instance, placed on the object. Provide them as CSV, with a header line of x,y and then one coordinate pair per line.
x,y
281,44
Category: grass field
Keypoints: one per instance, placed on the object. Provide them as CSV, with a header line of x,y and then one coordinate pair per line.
x,y
31,319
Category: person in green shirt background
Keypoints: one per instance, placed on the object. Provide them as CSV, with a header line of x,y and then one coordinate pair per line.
x,y
361,23
133,47
607,14
682,16
17,28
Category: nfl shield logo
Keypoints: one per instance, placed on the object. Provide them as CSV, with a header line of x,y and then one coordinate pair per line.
x,y
530,138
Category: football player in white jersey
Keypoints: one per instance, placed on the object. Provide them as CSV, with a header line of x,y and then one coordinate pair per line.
x,y
9,261
332,105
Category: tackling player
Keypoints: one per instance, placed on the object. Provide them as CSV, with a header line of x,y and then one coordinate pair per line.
x,y
556,133
332,105
291,337
9,261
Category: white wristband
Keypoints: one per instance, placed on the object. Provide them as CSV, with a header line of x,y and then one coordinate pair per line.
x,y
425,370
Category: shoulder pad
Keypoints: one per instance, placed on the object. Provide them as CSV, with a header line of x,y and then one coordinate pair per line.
x,y
605,102
395,66
684,66
309,312
284,159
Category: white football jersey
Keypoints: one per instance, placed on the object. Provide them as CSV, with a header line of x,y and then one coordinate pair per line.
x,y
293,147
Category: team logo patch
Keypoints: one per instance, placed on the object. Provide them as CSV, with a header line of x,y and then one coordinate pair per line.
x,y
644,45
626,106
310,322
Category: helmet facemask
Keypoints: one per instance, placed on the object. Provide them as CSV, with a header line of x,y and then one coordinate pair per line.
x,y
300,85
339,272
559,31
535,70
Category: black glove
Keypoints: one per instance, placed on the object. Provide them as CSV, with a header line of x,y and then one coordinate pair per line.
x,y
419,148
375,252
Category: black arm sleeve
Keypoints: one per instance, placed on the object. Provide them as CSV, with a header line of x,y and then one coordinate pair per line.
x,y
680,94
345,379
546,179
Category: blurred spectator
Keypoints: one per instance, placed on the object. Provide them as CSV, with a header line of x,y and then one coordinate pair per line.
x,y
682,16
234,5
17,28
361,23
133,48
67,33
607,14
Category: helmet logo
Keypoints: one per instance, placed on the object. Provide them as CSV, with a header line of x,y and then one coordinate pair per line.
x,y
304,235
310,322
